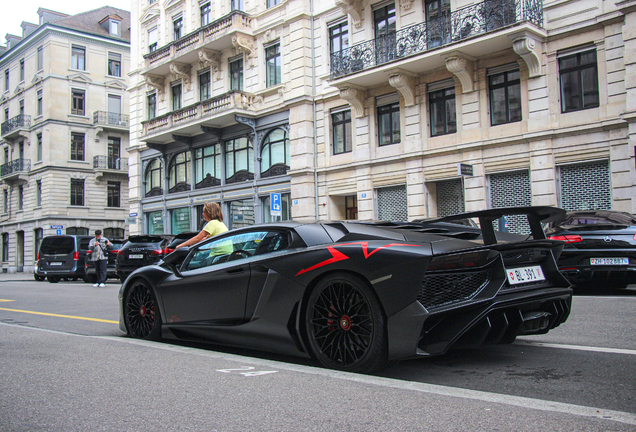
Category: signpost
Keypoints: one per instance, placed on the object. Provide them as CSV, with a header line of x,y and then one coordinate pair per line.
x,y
464,170
275,205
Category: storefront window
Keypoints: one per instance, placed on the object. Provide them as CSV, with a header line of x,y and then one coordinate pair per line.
x,y
180,220
241,214
155,222
285,209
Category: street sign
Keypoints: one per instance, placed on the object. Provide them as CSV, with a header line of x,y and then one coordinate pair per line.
x,y
132,214
57,226
275,205
58,232
131,220
464,169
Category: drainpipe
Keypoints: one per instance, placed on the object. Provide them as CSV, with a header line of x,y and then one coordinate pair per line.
x,y
313,86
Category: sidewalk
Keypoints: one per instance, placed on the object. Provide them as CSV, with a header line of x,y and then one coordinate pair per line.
x,y
16,277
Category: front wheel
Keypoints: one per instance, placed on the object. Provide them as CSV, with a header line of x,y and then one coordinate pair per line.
x,y
345,325
141,312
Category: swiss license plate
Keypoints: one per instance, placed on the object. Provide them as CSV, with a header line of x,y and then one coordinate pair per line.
x,y
524,275
609,261
55,263
135,256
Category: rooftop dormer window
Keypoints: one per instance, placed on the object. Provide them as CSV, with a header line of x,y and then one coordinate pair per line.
x,y
112,24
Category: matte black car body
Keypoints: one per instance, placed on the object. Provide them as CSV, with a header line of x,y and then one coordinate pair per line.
x,y
177,240
600,247
140,251
111,255
61,257
352,295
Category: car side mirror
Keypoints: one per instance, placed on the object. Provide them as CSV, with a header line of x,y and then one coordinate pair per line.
x,y
174,259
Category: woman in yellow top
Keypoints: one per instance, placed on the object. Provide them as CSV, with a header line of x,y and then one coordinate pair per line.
x,y
213,214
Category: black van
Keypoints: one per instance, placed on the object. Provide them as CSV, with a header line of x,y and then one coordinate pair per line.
x,y
62,256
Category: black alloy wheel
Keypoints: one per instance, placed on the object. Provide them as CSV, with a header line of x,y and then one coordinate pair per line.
x,y
345,325
141,313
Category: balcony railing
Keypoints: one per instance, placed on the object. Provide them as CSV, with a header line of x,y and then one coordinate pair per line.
x,y
110,162
106,118
200,110
21,121
448,28
15,166
235,19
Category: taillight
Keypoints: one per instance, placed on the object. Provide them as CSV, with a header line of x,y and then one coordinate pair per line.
x,y
567,238
168,251
39,253
114,252
459,261
156,252
120,252
76,256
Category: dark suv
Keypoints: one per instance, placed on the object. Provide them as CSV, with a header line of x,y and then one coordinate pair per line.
x,y
139,251
111,271
62,256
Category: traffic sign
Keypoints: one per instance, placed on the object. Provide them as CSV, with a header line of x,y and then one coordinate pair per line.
x,y
275,205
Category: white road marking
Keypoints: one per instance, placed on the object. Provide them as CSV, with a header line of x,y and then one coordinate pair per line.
x,y
519,401
578,347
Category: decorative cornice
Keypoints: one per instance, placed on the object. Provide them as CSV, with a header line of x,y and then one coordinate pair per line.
x,y
79,77
463,70
181,70
356,98
354,8
524,46
405,85
212,59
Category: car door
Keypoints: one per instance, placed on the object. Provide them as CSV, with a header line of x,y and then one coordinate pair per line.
x,y
214,283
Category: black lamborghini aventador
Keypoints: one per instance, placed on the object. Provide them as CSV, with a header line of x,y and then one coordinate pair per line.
x,y
354,296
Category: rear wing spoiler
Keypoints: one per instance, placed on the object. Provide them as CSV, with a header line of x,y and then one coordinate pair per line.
x,y
536,216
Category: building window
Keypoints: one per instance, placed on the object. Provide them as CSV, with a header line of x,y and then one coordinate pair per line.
x,y
206,14
5,206
585,186
389,123
77,192
351,207
339,37
77,106
237,5
114,233
113,194
39,103
152,40
180,220
275,154
21,106
20,197
177,25
77,146
39,139
385,27
114,27
114,64
241,213
5,246
40,58
21,70
438,22
153,180
236,75
176,96
114,148
76,231
207,166
6,80
152,105
38,193
179,173
155,222
392,203
78,58
579,81
239,160
272,3
285,213
272,61
204,86
341,124
442,111
505,97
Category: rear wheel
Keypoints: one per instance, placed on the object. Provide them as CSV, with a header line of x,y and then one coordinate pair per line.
x,y
38,278
141,313
53,279
345,325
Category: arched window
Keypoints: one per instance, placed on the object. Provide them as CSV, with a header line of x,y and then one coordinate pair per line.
x,y
207,166
154,184
239,160
179,173
275,154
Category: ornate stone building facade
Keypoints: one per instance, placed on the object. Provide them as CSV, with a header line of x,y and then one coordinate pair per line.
x,y
366,110
64,131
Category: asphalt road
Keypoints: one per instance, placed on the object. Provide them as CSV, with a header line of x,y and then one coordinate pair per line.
x,y
65,366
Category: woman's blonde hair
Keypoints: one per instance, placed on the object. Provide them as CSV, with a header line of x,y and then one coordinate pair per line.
x,y
213,210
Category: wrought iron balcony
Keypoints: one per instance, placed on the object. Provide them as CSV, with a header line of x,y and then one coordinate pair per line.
x,y
111,119
216,112
110,163
13,126
449,28
13,169
215,36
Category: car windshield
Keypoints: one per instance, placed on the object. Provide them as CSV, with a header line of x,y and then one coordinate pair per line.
x,y
57,245
575,219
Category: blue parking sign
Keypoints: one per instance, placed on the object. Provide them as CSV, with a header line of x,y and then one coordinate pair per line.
x,y
275,204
